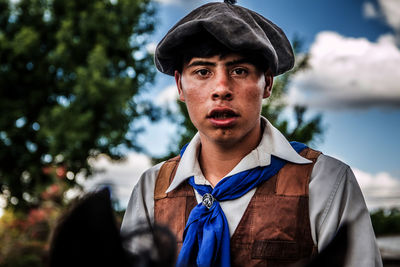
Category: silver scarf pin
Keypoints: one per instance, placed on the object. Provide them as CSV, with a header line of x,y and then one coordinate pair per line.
x,y
208,200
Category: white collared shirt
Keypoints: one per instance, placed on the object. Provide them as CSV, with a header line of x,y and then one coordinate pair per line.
x,y
334,195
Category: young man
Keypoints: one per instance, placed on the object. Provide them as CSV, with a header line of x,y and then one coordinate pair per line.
x,y
239,193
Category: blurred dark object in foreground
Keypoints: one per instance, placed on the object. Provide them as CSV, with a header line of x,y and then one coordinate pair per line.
x,y
88,235
334,255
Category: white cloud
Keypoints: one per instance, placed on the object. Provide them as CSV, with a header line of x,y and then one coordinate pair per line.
x,y
350,73
391,12
151,48
123,175
381,190
167,98
388,11
369,10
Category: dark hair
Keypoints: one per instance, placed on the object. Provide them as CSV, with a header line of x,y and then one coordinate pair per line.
x,y
205,45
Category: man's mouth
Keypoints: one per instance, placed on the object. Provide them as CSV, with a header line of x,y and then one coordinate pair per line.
x,y
222,113
222,117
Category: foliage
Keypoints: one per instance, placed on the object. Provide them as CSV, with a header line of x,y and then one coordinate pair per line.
x,y
386,222
70,75
22,238
305,131
25,236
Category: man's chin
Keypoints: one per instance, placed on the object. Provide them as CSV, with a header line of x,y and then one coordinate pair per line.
x,y
225,137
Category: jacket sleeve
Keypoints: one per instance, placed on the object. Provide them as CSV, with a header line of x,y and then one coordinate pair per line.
x,y
335,199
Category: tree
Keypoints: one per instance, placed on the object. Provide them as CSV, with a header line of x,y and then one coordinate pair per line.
x,y
305,131
70,76
386,222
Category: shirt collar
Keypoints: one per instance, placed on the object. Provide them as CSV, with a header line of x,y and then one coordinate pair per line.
x,y
272,143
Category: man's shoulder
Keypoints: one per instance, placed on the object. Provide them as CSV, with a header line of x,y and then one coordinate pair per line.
x,y
328,169
149,176
328,161
153,170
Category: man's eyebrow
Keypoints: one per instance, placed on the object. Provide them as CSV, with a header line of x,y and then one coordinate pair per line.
x,y
238,61
201,63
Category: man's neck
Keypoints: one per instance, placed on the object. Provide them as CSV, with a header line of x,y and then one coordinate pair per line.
x,y
217,160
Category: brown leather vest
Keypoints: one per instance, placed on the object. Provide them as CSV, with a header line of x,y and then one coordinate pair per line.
x,y
275,228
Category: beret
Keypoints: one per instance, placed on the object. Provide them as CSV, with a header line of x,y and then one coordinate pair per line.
x,y
235,27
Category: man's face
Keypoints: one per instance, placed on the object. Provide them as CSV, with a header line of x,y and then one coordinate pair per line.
x,y
224,97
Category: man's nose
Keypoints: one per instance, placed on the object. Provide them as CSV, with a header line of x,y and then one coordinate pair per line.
x,y
222,87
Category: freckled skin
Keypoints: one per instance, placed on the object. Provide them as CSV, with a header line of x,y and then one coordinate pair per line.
x,y
229,82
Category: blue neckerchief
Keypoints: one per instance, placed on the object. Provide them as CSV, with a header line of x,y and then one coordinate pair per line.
x,y
206,236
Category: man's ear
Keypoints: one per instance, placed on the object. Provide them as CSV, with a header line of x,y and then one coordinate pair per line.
x,y
178,81
269,81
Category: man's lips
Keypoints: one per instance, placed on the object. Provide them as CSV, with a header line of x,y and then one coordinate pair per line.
x,y
222,113
222,117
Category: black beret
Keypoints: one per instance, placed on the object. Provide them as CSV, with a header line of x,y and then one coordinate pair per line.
x,y
236,27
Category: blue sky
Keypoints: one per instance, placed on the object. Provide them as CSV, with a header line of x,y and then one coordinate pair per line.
x,y
354,82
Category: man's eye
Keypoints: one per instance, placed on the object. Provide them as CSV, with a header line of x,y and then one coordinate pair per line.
x,y
202,72
239,71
